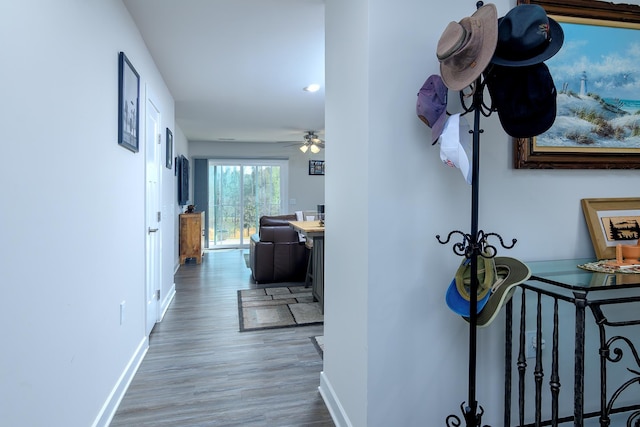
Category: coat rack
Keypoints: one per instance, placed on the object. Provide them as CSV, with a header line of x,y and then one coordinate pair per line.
x,y
473,245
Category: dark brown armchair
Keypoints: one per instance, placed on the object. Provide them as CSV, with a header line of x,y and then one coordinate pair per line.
x,y
276,253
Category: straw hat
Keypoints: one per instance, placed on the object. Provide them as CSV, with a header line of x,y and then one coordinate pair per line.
x,y
510,273
465,48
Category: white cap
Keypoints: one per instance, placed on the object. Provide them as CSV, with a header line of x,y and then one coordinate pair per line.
x,y
456,145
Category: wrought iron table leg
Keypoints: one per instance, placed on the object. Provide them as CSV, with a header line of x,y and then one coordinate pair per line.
x,y
578,385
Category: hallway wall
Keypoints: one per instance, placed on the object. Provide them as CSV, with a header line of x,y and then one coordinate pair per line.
x,y
72,223
395,354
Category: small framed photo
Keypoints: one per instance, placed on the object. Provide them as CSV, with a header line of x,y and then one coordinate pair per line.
x,y
169,153
316,167
128,104
612,222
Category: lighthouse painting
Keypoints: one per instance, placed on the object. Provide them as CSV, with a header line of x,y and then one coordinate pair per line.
x,y
597,73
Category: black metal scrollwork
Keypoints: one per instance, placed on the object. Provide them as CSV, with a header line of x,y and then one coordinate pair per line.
x,y
612,345
634,416
478,101
470,246
471,418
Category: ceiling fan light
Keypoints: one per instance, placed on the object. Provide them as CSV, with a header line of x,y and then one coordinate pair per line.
x,y
315,149
314,87
304,148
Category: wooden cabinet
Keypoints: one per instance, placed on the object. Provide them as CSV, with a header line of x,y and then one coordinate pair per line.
x,y
191,236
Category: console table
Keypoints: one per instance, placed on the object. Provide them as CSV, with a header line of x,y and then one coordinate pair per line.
x,y
191,236
314,230
607,295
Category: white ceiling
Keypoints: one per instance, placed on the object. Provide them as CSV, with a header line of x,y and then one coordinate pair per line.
x,y
237,68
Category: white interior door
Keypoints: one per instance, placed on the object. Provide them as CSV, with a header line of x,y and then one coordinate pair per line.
x,y
153,139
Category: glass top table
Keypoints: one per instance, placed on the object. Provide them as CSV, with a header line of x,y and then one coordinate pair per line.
x,y
563,280
566,274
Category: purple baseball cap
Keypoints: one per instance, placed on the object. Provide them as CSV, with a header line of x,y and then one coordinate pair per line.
x,y
431,106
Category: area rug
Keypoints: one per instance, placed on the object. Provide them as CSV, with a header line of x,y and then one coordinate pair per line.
x,y
318,343
281,307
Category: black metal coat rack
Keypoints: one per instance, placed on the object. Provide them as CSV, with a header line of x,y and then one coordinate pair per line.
x,y
473,245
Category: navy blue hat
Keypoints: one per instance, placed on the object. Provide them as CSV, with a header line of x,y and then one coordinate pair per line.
x,y
527,36
524,97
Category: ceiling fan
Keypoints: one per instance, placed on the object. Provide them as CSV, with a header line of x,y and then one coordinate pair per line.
x,y
311,142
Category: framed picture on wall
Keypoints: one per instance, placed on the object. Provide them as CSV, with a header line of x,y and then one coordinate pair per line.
x,y
183,180
169,153
597,124
316,167
128,104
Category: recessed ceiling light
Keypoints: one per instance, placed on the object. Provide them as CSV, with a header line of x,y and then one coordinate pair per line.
x,y
312,87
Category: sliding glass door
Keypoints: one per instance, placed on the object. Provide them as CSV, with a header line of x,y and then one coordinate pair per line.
x,y
240,192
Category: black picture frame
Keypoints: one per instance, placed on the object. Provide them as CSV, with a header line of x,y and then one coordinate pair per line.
x,y
169,150
316,167
128,104
183,180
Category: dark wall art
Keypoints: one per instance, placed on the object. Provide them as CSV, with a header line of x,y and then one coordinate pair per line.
x,y
128,104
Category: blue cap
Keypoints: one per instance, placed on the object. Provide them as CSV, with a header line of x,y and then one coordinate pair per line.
x,y
460,305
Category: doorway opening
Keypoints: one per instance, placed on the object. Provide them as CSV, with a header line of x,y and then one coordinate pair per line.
x,y
240,192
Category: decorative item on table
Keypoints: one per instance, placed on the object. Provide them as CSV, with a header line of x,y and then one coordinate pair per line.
x,y
626,256
191,209
321,214
611,268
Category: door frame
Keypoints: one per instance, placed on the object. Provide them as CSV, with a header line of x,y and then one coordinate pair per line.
x,y
153,254
283,164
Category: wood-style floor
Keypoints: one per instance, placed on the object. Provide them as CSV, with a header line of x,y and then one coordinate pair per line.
x,y
201,371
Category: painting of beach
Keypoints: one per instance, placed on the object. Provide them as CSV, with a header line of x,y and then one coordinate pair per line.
x,y
597,77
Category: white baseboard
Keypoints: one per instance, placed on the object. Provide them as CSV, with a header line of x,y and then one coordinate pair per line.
x,y
115,397
166,302
340,418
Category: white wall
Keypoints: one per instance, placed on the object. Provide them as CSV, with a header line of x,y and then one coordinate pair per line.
x,y
72,225
395,354
307,190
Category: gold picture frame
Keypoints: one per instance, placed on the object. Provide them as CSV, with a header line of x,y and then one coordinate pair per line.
x,y
611,222
569,146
